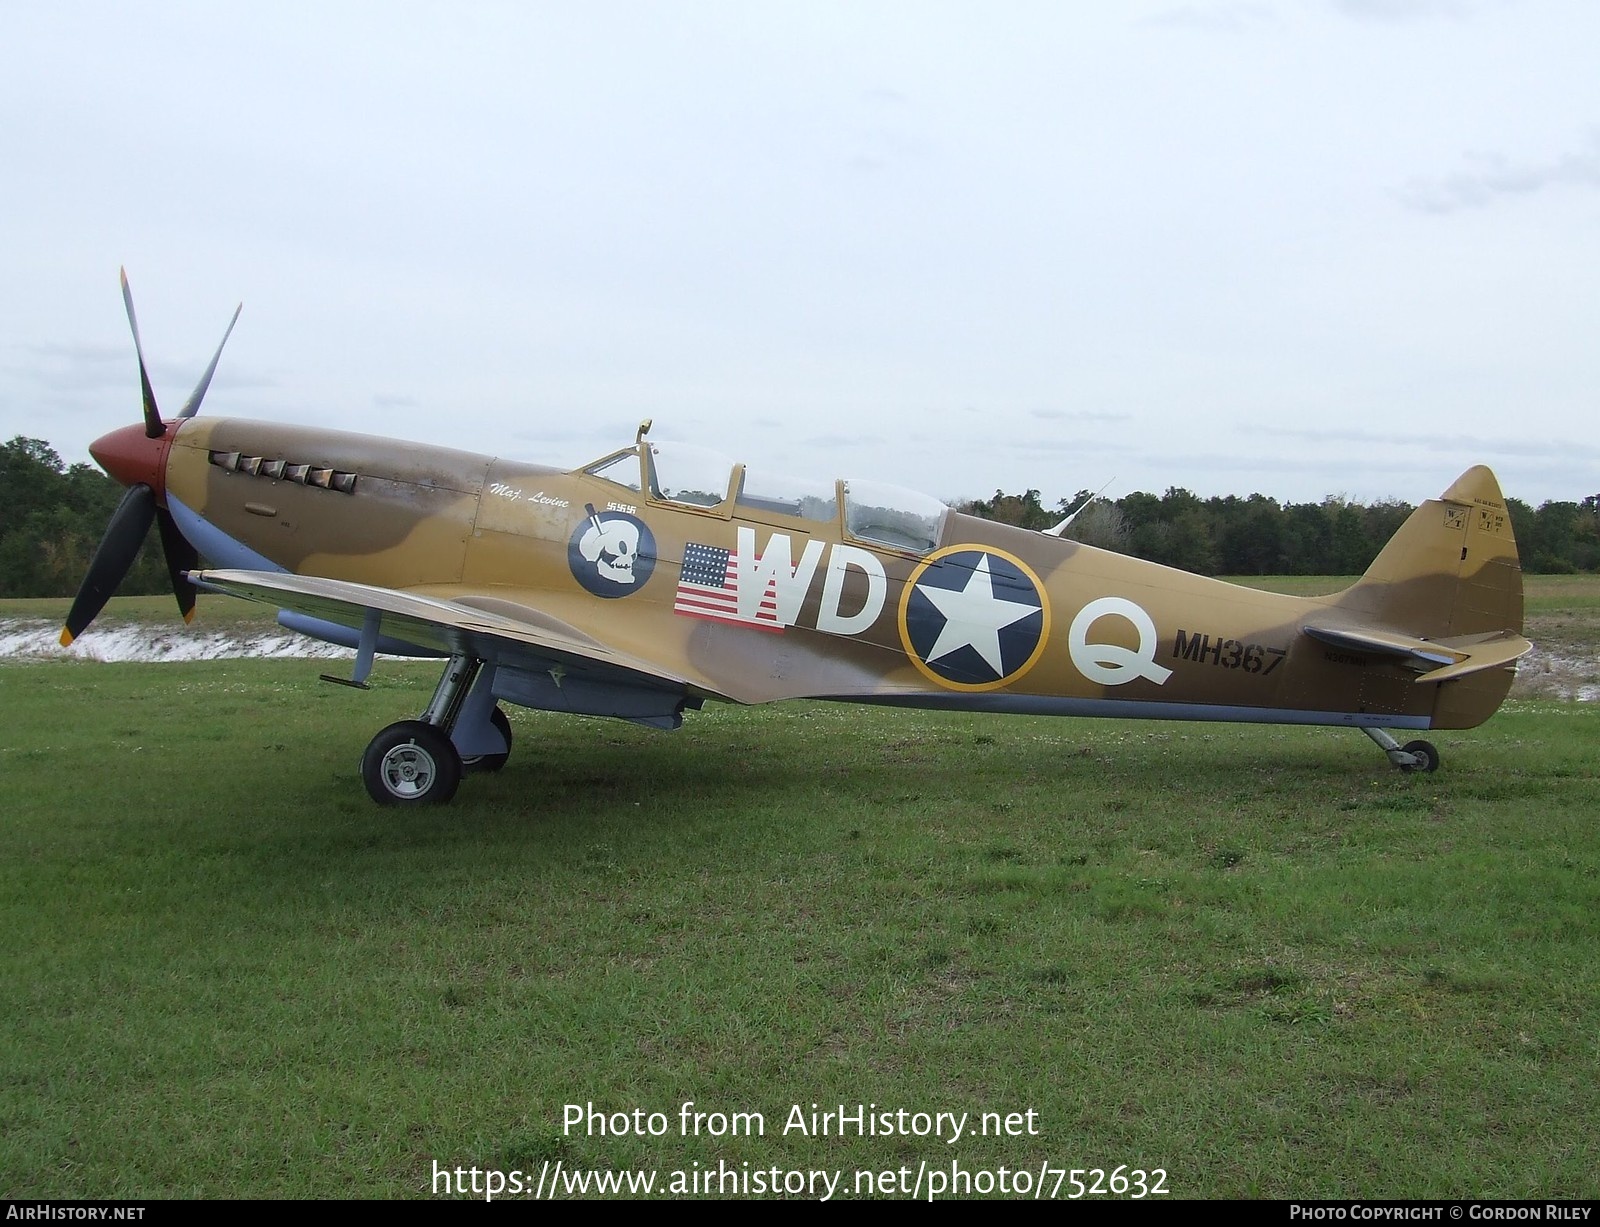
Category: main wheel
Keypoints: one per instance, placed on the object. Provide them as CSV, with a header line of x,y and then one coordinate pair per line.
x,y
1427,757
491,762
411,763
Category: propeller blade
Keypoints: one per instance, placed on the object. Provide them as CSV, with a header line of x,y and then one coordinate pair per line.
x,y
118,548
153,425
181,557
199,394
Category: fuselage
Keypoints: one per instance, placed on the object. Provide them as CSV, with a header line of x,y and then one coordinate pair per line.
x,y
756,597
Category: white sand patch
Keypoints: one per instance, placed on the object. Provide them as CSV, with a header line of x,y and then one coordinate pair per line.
x,y
1549,675
32,640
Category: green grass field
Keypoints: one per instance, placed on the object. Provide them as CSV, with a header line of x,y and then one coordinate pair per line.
x,y
1256,958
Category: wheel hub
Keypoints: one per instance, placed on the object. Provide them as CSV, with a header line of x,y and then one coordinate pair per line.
x,y
408,770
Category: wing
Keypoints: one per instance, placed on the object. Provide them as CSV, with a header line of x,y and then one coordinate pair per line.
x,y
541,660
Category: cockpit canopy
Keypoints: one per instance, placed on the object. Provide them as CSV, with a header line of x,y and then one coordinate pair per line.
x,y
697,478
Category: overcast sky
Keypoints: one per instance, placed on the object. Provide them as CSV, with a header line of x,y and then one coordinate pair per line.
x,y
1307,248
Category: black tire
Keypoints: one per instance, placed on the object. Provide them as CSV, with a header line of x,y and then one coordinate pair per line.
x,y
1425,751
491,762
411,763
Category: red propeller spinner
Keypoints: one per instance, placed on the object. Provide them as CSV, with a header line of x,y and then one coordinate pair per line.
x,y
131,456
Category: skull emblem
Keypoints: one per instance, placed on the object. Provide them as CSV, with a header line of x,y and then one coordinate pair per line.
x,y
612,545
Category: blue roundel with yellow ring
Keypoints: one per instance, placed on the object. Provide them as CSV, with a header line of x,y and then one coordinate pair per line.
x,y
973,617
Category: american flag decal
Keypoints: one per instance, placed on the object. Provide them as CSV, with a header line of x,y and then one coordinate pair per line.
x,y
708,587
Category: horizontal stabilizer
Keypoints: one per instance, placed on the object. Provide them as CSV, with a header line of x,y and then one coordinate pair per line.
x,y
1497,651
1437,660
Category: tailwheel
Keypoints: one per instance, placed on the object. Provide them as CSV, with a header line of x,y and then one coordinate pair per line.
x,y
1413,756
491,762
1424,756
411,763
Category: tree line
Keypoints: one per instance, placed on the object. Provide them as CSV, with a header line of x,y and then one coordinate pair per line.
x,y
52,517
1258,535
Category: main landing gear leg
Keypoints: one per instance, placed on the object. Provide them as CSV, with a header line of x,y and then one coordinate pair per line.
x,y
414,762
482,733
1413,756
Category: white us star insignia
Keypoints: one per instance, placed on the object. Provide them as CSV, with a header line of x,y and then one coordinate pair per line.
x,y
973,617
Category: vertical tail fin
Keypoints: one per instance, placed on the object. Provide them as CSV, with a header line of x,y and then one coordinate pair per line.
x,y
1451,576
1451,570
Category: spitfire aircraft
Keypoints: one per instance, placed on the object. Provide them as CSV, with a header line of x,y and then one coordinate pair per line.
x,y
659,577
